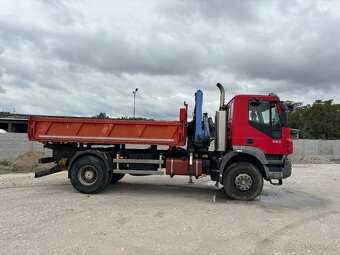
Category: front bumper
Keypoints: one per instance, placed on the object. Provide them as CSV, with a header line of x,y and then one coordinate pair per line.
x,y
287,169
279,171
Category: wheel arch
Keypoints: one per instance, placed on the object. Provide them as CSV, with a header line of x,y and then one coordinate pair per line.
x,y
104,156
235,157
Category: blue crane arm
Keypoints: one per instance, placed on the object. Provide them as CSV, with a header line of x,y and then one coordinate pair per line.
x,y
202,132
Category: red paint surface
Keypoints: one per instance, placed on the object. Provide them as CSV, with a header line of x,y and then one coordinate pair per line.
x,y
180,166
95,131
239,129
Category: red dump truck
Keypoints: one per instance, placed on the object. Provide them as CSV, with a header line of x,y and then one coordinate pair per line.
x,y
251,144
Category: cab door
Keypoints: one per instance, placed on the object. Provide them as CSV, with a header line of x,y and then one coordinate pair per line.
x,y
264,130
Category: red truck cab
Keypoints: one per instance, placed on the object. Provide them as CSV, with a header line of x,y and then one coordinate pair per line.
x,y
256,144
255,121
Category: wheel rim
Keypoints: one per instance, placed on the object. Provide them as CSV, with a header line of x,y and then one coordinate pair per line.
x,y
87,175
243,182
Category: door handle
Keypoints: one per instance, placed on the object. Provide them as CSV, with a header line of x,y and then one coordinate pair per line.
x,y
249,141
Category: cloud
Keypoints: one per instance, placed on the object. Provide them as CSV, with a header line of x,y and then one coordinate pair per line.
x,y
84,57
60,12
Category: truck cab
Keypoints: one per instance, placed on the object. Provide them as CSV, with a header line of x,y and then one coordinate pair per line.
x,y
251,136
259,122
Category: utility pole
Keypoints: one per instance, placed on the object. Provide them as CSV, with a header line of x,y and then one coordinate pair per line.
x,y
134,102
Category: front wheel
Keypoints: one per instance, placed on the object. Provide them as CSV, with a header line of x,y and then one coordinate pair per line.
x,y
242,181
89,175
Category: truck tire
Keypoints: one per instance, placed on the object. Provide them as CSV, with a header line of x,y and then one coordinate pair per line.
x,y
116,178
242,181
89,175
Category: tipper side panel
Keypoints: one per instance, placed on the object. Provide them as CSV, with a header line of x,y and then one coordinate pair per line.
x,y
95,131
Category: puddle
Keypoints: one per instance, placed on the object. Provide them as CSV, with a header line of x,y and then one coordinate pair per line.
x,y
289,199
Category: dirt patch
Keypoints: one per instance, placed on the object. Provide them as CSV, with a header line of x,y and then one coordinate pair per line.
x,y
317,160
27,162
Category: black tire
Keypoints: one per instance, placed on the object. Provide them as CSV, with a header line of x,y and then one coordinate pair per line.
x,y
242,181
116,178
89,175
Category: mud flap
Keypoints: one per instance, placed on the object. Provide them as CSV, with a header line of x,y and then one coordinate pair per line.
x,y
53,170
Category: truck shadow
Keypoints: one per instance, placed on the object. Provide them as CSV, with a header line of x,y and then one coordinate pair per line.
x,y
187,191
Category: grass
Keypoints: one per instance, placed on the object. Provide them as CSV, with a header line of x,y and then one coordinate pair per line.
x,y
5,166
5,162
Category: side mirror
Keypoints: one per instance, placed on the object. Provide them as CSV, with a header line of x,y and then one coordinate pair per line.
x,y
286,106
284,118
284,114
283,107
290,107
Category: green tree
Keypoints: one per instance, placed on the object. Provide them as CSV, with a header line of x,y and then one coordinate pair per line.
x,y
321,120
101,115
4,113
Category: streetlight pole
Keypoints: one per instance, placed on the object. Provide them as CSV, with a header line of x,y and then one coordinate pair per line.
x,y
134,102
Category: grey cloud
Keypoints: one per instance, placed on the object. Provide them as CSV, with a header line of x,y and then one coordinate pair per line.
x,y
301,51
215,10
17,69
116,54
312,62
113,52
107,51
1,81
238,11
14,34
59,12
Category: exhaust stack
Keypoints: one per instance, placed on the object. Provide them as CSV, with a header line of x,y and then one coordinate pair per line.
x,y
221,123
222,95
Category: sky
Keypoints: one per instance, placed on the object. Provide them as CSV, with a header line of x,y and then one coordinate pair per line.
x,y
79,58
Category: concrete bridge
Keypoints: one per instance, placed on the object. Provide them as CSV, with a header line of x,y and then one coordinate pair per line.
x,y
15,123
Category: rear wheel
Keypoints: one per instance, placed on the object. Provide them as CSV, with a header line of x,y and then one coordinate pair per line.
x,y
89,175
116,178
243,181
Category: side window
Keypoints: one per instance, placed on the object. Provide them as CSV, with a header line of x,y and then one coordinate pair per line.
x,y
264,116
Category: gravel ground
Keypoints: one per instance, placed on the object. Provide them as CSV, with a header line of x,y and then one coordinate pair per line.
x,y
160,215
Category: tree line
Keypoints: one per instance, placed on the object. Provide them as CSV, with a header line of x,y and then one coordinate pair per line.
x,y
320,120
103,115
3,113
